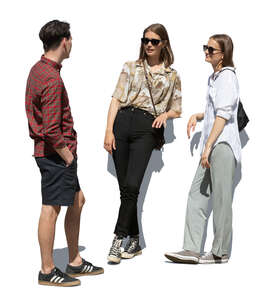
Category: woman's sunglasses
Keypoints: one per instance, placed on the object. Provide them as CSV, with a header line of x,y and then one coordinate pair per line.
x,y
210,49
154,42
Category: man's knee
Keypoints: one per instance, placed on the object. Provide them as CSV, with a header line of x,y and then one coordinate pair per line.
x,y
50,211
80,199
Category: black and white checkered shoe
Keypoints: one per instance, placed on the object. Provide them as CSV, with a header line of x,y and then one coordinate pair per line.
x,y
86,268
57,278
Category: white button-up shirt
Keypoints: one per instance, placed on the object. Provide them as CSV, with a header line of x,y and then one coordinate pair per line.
x,y
222,100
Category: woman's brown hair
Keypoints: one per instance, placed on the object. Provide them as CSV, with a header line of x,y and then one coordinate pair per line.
x,y
166,54
226,45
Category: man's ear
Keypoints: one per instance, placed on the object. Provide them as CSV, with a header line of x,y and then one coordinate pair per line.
x,y
63,42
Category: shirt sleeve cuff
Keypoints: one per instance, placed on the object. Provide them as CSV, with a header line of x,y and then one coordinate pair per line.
x,y
224,114
59,143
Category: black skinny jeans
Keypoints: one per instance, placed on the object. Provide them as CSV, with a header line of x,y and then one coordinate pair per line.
x,y
134,145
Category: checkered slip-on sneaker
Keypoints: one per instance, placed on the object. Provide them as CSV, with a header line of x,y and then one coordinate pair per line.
x,y
86,268
132,248
184,256
57,278
210,258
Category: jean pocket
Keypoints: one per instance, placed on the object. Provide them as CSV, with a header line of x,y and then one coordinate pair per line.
x,y
147,115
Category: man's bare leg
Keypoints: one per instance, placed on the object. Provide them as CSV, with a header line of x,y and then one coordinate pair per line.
x,y
72,226
46,233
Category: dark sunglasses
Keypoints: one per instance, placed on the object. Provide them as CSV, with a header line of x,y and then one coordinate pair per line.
x,y
154,42
210,49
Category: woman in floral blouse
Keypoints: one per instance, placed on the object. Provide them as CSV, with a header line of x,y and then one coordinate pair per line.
x,y
132,124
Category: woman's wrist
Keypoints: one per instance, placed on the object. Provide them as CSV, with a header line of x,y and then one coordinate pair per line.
x,y
199,116
171,114
109,130
208,146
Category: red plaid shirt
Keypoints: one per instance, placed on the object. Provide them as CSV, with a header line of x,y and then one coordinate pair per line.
x,y
48,110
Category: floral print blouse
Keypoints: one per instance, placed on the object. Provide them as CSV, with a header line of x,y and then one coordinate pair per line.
x,y
132,88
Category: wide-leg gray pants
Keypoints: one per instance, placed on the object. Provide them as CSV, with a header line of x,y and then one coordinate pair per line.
x,y
215,183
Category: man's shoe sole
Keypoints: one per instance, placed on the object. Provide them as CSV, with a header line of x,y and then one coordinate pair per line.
x,y
86,274
67,284
128,255
182,259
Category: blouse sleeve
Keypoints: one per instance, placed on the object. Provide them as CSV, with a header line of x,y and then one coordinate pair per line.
x,y
176,96
226,95
122,87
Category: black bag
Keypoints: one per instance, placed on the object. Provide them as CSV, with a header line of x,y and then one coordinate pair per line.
x,y
241,114
158,132
242,117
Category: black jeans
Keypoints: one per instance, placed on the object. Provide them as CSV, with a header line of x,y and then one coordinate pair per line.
x,y
134,145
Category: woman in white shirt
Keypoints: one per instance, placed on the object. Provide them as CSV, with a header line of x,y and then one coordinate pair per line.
x,y
220,153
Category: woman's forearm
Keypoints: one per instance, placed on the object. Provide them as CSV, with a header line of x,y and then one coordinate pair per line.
x,y
113,109
217,128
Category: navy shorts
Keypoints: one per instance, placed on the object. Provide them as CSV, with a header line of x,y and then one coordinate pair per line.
x,y
58,182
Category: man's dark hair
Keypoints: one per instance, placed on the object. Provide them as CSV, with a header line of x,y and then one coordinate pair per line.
x,y
52,33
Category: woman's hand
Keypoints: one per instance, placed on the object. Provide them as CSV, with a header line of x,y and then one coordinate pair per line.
x,y
204,158
160,120
191,124
109,142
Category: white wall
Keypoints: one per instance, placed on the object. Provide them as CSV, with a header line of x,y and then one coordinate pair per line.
x,y
105,35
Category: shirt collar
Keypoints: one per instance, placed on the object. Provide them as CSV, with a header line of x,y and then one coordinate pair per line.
x,y
51,63
161,71
216,74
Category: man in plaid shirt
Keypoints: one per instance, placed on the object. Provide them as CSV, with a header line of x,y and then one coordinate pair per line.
x,y
55,144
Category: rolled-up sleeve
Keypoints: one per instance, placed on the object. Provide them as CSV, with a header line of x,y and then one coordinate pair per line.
x,y
122,87
226,95
176,101
51,102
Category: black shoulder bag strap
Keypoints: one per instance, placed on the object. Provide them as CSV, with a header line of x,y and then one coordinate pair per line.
x,y
158,132
149,88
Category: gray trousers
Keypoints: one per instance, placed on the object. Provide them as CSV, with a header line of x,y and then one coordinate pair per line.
x,y
215,183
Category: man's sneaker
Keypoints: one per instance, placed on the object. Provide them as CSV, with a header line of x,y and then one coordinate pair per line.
x,y
132,248
115,251
210,258
86,268
184,256
57,278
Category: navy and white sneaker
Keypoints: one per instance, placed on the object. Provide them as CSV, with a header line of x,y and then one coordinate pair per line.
x,y
57,278
86,268
132,248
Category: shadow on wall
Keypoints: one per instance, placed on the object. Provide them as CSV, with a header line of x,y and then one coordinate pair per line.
x,y
238,175
155,165
61,257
